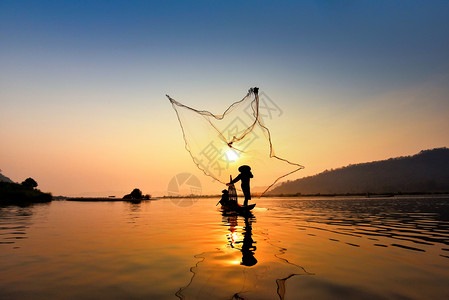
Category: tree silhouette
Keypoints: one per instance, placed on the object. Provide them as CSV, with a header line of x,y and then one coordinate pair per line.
x,y
136,194
29,183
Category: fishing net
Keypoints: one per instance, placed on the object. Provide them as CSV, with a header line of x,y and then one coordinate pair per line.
x,y
232,193
219,144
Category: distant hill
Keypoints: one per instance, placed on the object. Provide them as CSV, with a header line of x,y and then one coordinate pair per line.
x,y
427,171
3,178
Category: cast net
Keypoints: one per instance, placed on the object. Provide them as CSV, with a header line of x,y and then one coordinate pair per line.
x,y
232,193
219,144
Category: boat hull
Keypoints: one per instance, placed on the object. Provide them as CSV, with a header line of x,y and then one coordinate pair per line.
x,y
238,208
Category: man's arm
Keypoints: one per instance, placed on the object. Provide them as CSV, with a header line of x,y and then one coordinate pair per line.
x,y
235,179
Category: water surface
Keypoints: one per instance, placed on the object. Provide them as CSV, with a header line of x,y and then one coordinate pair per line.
x,y
289,248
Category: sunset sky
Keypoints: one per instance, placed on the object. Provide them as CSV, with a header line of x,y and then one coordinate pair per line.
x,y
82,84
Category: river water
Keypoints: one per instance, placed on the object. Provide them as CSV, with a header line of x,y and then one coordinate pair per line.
x,y
288,248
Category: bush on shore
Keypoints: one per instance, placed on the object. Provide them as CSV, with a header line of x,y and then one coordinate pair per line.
x,y
136,194
17,193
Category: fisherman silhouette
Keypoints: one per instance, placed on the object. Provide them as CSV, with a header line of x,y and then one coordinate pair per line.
x,y
224,198
245,176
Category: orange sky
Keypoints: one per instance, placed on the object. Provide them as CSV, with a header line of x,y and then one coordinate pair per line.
x,y
111,150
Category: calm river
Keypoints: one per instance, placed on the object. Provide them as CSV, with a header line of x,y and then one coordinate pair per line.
x,y
289,248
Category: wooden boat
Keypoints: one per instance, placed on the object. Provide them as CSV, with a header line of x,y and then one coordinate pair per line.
x,y
238,208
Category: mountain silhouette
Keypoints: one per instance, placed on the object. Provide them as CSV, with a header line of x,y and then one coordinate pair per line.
x,y
425,172
3,178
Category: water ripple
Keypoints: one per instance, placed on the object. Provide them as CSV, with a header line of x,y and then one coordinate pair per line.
x,y
421,221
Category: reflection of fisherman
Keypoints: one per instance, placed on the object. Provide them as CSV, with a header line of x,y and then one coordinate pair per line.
x,y
248,247
245,176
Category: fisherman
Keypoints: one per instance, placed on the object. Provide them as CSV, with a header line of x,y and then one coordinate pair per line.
x,y
224,198
245,176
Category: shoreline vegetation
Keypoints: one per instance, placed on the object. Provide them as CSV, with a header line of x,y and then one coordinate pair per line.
x,y
367,195
135,196
100,199
296,195
15,193
43,197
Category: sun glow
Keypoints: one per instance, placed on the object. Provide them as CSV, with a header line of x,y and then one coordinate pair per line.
x,y
232,155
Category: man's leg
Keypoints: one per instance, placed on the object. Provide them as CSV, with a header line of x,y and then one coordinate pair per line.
x,y
247,197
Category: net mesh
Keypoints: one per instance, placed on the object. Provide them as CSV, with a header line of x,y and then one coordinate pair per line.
x,y
219,144
232,193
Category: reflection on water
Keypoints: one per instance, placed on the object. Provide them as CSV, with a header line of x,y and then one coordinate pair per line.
x,y
218,274
411,222
340,248
134,210
244,242
14,221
